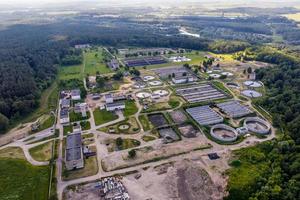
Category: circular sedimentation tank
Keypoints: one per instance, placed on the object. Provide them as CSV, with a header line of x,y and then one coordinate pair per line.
x,y
161,92
139,85
257,125
209,72
253,84
215,75
143,95
223,133
251,93
148,78
155,83
227,74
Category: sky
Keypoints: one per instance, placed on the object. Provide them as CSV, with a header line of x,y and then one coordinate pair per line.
x,y
33,3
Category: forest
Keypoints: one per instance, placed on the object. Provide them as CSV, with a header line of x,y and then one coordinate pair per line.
x,y
275,165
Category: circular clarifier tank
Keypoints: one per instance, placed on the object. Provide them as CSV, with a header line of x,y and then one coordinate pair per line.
x,y
143,95
148,78
253,84
215,75
251,93
223,133
229,74
257,125
155,83
161,92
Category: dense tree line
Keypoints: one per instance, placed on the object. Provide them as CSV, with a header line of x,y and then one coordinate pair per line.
x,y
281,178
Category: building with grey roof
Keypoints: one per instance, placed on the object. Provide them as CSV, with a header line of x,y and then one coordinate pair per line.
x,y
65,103
75,94
113,64
64,116
73,153
120,105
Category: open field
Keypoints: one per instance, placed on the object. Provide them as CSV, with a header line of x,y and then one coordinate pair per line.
x,y
70,72
12,152
145,122
130,108
94,62
42,152
103,116
20,180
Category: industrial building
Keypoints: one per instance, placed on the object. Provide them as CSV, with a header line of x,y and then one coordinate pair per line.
x,y
73,153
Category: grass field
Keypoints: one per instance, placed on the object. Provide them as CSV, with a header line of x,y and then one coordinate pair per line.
x,y
130,108
70,72
148,138
78,116
68,129
19,180
145,122
103,116
42,152
12,152
94,62
248,167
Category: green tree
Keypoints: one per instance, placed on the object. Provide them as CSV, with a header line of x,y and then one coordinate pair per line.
x,y
4,122
132,153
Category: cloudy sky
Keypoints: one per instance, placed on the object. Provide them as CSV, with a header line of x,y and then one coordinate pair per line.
x,y
157,2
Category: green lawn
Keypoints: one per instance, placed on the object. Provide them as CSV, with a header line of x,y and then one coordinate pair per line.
x,y
46,123
68,129
148,138
130,108
42,152
70,72
145,122
103,116
78,116
85,125
94,62
19,180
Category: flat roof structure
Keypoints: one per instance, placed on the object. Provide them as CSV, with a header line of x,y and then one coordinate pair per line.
x,y
204,115
64,113
200,92
73,147
234,109
144,61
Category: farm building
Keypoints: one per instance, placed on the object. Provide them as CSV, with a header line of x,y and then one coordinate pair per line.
x,y
73,154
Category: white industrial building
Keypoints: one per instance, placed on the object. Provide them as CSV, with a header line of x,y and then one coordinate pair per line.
x,y
115,106
183,79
